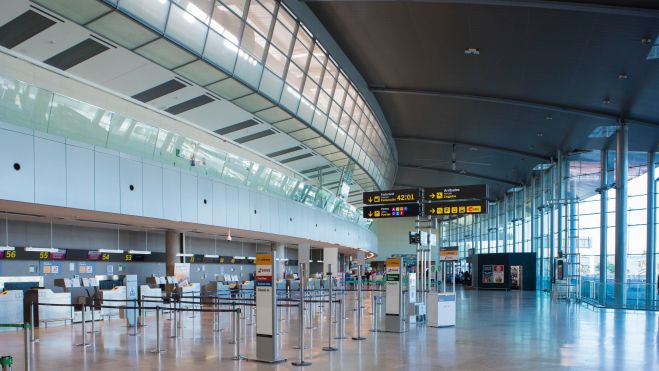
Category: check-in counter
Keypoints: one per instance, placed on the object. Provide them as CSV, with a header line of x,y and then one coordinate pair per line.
x,y
189,294
22,283
215,288
111,293
11,304
47,314
150,296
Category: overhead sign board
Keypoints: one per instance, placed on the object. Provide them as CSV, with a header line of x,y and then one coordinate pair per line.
x,y
449,253
391,196
455,208
455,193
391,211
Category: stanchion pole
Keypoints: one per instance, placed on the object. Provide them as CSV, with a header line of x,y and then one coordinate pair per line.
x,y
174,323
26,343
301,361
234,327
157,350
329,347
374,315
84,329
342,312
359,306
32,325
237,356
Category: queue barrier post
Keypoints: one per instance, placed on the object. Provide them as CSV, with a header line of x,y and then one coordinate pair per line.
x,y
301,361
329,347
158,349
84,329
236,334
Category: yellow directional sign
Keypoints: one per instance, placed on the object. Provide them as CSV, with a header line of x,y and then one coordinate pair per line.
x,y
455,193
391,196
455,207
391,211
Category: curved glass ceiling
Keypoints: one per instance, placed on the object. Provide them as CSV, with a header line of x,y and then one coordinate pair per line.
x,y
264,46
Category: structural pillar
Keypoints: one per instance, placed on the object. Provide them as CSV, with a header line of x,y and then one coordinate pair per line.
x,y
604,184
330,260
496,232
173,241
280,249
650,262
622,159
304,255
560,202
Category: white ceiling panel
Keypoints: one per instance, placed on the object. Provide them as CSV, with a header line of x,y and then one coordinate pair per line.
x,y
11,10
52,41
200,73
216,115
272,143
140,79
122,30
108,65
76,10
307,163
248,131
177,97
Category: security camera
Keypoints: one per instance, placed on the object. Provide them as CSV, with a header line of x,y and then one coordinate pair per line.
x,y
229,236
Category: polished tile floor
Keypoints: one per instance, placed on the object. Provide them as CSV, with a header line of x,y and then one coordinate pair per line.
x,y
495,331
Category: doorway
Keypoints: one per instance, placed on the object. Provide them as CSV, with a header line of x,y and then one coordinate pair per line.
x,y
516,277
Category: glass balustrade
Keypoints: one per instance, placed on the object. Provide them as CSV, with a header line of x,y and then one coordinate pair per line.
x,y
31,107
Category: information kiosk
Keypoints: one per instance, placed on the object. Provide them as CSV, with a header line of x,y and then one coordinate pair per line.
x,y
267,334
394,304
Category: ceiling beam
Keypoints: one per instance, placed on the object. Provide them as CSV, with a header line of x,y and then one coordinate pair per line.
x,y
602,115
538,4
472,144
466,174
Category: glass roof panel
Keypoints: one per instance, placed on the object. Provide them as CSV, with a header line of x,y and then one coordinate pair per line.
x,y
237,6
259,18
282,37
226,23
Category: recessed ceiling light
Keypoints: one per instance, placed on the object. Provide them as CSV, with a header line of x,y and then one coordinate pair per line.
x,y
473,149
540,133
623,76
549,118
606,100
472,51
603,131
646,41
543,166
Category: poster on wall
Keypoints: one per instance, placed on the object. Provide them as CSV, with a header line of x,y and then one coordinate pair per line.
x,y
50,268
487,274
85,268
498,274
182,273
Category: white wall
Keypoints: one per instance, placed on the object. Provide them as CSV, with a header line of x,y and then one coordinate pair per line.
x,y
393,237
60,172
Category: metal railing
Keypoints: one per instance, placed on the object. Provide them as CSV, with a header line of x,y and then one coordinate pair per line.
x,y
592,293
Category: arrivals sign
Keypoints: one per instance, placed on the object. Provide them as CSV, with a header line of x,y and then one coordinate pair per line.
x,y
392,196
391,211
455,193
455,207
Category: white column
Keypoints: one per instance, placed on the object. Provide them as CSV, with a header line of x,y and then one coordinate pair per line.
x,y
330,258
